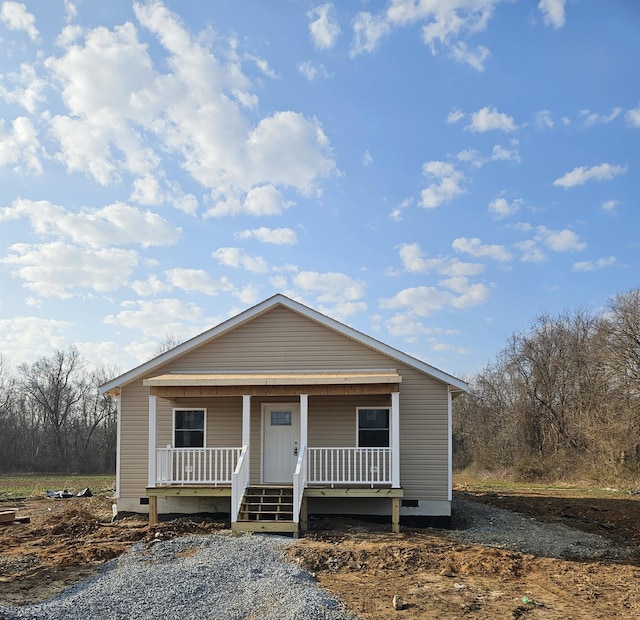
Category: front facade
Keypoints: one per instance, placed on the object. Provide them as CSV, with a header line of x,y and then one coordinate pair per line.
x,y
279,412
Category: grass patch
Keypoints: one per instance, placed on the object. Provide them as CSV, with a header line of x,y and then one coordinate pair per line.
x,y
500,485
34,486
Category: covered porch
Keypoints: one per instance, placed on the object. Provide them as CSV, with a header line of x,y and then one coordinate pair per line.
x,y
313,434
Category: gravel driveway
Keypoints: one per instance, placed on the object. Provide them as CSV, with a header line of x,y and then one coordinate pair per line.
x,y
228,578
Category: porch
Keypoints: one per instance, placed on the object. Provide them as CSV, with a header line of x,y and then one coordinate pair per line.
x,y
320,473
274,450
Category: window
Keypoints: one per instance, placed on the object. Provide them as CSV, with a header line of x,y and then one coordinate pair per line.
x,y
373,428
188,428
281,418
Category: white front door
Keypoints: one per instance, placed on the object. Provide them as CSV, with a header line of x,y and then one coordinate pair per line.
x,y
281,437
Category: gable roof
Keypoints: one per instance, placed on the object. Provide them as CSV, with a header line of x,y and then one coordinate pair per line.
x,y
265,306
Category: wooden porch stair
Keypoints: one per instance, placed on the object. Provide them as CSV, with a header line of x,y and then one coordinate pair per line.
x,y
266,509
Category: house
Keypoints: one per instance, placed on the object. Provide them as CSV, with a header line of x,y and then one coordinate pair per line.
x,y
280,412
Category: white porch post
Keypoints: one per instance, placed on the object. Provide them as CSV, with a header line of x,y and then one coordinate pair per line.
x,y
246,419
153,405
304,417
395,440
118,439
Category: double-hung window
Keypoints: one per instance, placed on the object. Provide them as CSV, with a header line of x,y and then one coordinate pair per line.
x,y
188,428
373,427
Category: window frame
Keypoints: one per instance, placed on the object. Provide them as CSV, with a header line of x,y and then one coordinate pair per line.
x,y
204,427
388,427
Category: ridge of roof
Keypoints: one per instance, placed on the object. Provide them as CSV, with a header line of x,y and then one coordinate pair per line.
x,y
295,306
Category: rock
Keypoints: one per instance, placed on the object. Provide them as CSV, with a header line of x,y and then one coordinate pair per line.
x,y
447,572
398,603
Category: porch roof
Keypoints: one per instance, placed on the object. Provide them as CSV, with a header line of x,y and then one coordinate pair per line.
x,y
276,378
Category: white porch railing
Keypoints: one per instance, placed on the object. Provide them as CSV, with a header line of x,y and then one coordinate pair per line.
x,y
239,483
196,465
368,466
299,483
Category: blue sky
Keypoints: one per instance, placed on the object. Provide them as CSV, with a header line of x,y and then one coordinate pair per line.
x,y
435,174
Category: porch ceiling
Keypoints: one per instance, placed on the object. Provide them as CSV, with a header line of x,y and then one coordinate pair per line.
x,y
276,378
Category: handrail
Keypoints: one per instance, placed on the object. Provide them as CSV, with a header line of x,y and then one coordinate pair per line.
x,y
367,466
195,465
239,483
299,483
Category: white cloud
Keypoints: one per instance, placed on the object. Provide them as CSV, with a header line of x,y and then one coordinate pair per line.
x,y
407,326
454,116
531,252
336,294
277,236
150,287
553,12
194,281
161,316
474,247
446,24
123,116
446,186
263,200
424,301
555,240
588,265
324,29
156,190
543,119
591,118
499,208
58,269
238,258
367,160
28,89
368,32
311,71
414,261
474,58
19,146
16,17
489,119
26,339
560,240
499,153
633,117
115,224
609,206
582,174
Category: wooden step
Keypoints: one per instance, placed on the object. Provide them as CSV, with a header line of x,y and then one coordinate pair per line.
x,y
267,504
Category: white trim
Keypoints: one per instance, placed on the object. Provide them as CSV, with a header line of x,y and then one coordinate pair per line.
x,y
118,446
268,304
173,424
153,407
450,445
394,424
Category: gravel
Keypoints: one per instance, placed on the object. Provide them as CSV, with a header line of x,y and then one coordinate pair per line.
x,y
481,524
220,576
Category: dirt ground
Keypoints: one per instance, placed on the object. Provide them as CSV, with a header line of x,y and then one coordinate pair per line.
x,y
363,564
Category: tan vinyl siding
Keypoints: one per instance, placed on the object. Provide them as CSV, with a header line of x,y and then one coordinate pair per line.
x,y
134,440
281,339
423,436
